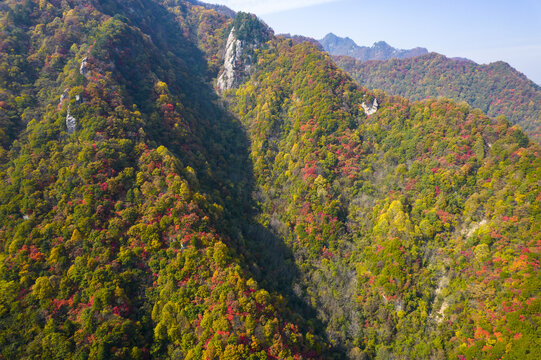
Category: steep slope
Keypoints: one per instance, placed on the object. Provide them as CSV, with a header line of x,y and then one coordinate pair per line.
x,y
336,45
139,218
120,199
245,36
415,228
497,88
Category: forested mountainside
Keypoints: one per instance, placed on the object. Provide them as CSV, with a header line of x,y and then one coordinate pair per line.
x,y
295,215
496,88
415,228
336,45
119,233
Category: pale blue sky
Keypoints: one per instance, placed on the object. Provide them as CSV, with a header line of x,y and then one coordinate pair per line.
x,y
482,30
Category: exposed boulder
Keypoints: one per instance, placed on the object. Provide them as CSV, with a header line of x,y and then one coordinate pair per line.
x,y
83,69
370,109
64,96
71,123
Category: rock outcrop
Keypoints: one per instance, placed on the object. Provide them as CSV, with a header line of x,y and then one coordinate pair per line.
x,y
370,109
71,123
247,34
83,69
64,96
233,53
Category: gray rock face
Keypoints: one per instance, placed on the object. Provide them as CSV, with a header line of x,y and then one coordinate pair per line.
x,y
71,123
247,34
64,96
370,109
233,52
83,69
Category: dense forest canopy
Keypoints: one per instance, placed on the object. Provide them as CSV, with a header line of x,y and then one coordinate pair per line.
x,y
143,215
400,220
496,88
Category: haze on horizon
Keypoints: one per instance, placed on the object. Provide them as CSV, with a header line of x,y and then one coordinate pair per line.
x,y
483,31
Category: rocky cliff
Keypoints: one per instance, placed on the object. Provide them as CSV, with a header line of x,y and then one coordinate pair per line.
x,y
247,34
229,77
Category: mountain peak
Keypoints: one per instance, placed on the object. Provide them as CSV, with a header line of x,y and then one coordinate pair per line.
x,y
246,34
381,50
381,43
330,36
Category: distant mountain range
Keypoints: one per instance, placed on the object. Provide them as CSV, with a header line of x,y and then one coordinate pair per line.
x,y
297,39
496,88
336,45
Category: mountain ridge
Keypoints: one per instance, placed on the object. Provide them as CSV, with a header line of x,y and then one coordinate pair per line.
x,y
496,88
133,206
336,45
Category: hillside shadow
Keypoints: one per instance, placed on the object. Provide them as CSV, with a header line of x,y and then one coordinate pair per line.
x,y
267,257
218,147
262,253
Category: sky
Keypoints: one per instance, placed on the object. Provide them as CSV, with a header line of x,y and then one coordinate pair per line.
x,y
481,30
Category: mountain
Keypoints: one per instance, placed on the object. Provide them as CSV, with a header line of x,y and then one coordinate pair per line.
x,y
150,210
124,184
300,39
398,213
221,9
496,88
336,45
